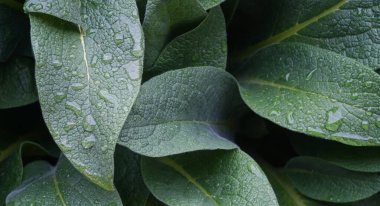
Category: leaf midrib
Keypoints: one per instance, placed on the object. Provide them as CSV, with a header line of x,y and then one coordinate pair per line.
x,y
178,168
290,31
57,190
263,82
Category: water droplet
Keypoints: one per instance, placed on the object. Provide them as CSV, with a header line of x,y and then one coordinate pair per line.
x,y
318,132
308,77
57,64
94,61
137,53
274,113
89,123
255,170
77,86
89,141
107,58
133,69
368,84
108,97
354,96
378,122
365,125
334,119
68,126
119,38
73,106
290,118
59,96
287,76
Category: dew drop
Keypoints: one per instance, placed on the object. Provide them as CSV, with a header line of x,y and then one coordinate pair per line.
x,y
107,58
368,84
89,141
310,75
108,97
354,96
89,123
274,113
68,126
137,53
119,38
345,135
365,125
287,76
77,86
59,96
290,119
318,132
73,106
334,119
57,64
377,122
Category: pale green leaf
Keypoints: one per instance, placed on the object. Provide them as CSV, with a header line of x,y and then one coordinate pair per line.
x,y
180,111
208,178
87,79
314,91
208,4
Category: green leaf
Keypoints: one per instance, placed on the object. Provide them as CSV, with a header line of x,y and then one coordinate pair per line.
x,y
361,159
87,79
206,45
11,164
13,24
349,28
180,111
208,178
166,19
320,180
62,185
208,4
152,201
285,192
128,178
314,91
17,83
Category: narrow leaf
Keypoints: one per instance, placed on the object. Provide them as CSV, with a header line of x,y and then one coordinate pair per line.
x,y
208,178
181,111
87,79
314,91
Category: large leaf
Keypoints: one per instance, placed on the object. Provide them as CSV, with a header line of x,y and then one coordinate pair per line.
x,y
87,79
347,27
208,178
166,19
13,25
181,111
17,83
321,180
62,185
314,91
206,45
362,159
128,178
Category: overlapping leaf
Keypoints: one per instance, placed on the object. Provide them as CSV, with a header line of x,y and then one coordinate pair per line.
x,y
206,45
180,111
312,90
88,72
321,180
208,178
61,185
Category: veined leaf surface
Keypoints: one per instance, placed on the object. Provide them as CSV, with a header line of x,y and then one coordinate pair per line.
x,y
88,71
